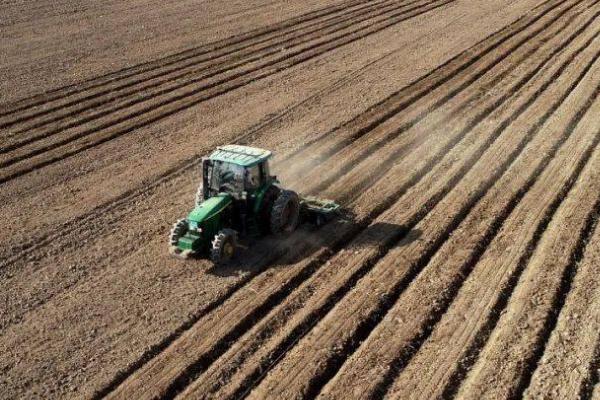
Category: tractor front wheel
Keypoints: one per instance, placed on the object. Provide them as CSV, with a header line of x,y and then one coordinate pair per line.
x,y
285,213
179,229
223,246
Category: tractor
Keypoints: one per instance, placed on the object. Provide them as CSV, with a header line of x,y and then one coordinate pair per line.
x,y
238,197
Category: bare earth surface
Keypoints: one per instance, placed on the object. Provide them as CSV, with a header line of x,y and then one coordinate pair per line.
x,y
461,136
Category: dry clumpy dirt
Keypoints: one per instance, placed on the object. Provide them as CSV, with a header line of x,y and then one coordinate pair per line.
x,y
462,136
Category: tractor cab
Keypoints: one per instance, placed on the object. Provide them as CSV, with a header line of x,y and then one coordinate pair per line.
x,y
241,171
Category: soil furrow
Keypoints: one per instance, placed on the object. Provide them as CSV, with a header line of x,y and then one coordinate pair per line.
x,y
568,368
384,151
454,342
373,366
97,82
463,175
206,67
198,364
408,112
379,114
222,371
79,225
168,369
300,371
520,336
591,384
169,102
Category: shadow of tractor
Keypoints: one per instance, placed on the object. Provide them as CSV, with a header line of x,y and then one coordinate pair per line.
x,y
257,254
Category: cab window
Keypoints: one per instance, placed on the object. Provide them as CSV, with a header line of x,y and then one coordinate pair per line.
x,y
226,177
252,177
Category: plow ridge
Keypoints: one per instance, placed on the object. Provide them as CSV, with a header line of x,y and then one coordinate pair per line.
x,y
171,174
473,352
380,314
478,118
563,291
278,356
189,164
391,134
462,265
128,72
400,362
356,340
196,368
310,321
137,119
483,334
369,323
212,70
114,90
402,100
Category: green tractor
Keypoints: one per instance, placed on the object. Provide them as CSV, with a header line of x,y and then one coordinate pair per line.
x,y
239,197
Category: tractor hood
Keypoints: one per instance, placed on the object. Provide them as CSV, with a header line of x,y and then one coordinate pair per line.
x,y
209,208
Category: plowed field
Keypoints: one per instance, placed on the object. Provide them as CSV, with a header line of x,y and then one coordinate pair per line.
x,y
461,138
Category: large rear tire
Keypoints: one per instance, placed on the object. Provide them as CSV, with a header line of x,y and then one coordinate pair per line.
x,y
223,246
264,216
285,213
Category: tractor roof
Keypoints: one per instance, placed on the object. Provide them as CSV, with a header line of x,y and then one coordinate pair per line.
x,y
244,156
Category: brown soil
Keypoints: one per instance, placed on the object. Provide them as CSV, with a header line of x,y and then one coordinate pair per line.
x,y
461,138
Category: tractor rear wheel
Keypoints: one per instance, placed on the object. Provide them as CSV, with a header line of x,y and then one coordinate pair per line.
x,y
285,213
264,216
223,246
